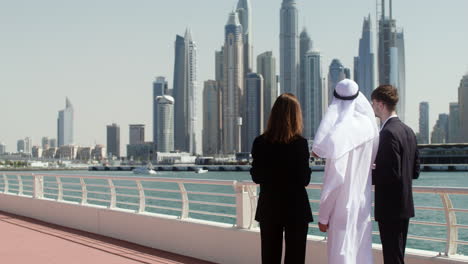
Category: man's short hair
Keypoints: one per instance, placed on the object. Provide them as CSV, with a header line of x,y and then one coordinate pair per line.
x,y
387,94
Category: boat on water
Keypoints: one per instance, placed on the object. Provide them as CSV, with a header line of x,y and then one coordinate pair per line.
x,y
200,170
148,170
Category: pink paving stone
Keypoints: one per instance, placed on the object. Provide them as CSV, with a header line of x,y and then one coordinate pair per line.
x,y
25,240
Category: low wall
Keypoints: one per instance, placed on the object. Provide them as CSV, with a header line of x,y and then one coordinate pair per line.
x,y
220,243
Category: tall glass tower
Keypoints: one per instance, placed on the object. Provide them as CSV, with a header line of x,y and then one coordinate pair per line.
x,y
244,12
364,63
289,47
65,124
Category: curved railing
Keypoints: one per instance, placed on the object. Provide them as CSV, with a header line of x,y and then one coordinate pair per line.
x,y
146,196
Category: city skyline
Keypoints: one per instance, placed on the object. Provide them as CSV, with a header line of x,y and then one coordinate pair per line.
x,y
54,72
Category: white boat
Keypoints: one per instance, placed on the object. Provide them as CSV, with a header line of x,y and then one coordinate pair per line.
x,y
200,170
145,170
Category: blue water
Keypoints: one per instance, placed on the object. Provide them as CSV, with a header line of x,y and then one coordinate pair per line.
x,y
439,179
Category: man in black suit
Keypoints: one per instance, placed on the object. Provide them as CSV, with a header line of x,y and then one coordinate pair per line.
x,y
396,165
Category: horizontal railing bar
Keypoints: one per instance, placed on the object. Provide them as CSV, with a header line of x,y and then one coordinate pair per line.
x,y
163,207
99,192
120,202
213,194
71,190
459,210
71,183
212,203
162,190
434,239
72,196
429,208
462,226
97,185
97,199
314,201
164,199
127,195
427,223
214,214
462,242
52,188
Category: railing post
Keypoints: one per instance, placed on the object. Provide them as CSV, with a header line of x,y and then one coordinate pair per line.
x,y
38,186
244,213
185,201
113,200
141,193
451,222
84,192
20,185
5,179
60,189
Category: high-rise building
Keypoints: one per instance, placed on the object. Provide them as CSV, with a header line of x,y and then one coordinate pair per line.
x,y
305,45
65,124
336,73
391,54
463,108
20,146
313,96
245,19
254,110
160,88
28,145
45,143
53,143
165,126
137,134
219,65
423,123
211,118
180,96
188,121
2,148
113,141
233,85
454,123
266,66
364,62
289,47
440,130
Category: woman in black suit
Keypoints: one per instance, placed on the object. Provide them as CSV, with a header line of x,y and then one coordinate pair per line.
x,y
281,167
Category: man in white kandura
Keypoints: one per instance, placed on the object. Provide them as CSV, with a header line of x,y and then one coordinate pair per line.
x,y
348,139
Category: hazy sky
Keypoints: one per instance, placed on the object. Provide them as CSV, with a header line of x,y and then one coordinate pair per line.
x,y
104,55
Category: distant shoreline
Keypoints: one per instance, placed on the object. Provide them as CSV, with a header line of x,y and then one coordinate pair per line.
x,y
43,169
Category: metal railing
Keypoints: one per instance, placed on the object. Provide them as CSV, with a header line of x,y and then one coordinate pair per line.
x,y
82,190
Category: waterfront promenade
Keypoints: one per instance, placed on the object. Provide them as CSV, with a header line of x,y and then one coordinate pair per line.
x,y
25,240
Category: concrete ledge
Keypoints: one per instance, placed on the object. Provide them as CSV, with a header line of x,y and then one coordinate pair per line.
x,y
215,242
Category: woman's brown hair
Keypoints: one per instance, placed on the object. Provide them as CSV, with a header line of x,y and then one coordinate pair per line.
x,y
285,121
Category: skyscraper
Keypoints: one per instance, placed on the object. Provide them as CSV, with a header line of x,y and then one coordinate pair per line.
x,y
2,148
266,66
188,121
45,143
113,141
245,19
20,146
305,45
364,62
336,73
159,89
53,143
136,134
454,123
289,47
65,124
440,130
424,123
28,145
391,54
463,108
313,93
219,65
165,126
254,102
180,96
233,85
211,118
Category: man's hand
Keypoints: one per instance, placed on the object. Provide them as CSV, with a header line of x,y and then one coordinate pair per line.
x,y
314,155
322,227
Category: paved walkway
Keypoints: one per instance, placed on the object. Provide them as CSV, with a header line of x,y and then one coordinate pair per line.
x,y
24,240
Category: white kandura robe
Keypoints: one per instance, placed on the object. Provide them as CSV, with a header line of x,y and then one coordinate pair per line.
x,y
345,205
348,139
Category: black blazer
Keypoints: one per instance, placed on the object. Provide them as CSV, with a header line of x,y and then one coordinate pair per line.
x,y
283,171
396,165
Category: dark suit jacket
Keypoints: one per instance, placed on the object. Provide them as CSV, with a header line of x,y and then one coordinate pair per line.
x,y
283,171
396,165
